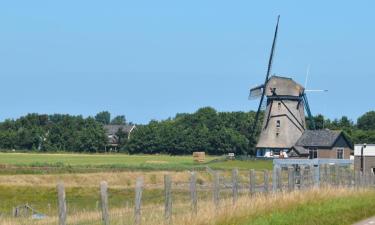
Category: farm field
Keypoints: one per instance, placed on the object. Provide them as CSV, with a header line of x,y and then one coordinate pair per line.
x,y
19,163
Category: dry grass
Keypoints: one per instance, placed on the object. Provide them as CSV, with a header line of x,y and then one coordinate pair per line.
x,y
247,208
115,180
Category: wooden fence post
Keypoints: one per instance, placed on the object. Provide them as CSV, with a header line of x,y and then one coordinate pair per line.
x,y
350,177
301,177
104,202
291,180
325,174
317,175
235,185
193,192
357,179
138,200
266,181
216,189
168,199
337,172
279,179
62,203
252,182
274,178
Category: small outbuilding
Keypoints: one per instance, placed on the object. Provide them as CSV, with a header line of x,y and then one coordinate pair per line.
x,y
364,158
324,144
113,131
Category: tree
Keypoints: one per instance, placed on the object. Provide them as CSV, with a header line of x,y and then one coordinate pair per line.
x,y
367,121
103,117
119,120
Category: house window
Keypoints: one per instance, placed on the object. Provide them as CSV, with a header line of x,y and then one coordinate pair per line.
x,y
313,153
340,153
373,170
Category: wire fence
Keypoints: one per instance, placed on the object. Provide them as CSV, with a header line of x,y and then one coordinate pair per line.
x,y
164,202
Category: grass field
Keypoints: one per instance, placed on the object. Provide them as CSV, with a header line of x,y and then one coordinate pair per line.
x,y
32,177
336,206
19,163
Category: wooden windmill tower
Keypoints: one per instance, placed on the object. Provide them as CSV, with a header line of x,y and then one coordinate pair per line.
x,y
284,121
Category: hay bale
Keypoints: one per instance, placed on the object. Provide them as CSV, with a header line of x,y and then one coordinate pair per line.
x,y
199,157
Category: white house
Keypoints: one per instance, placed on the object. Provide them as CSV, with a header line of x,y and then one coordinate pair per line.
x,y
365,161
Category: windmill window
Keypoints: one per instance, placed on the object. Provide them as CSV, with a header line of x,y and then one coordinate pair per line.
x,y
279,105
278,123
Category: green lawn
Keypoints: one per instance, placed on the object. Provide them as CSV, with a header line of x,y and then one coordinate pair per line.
x,y
50,163
337,211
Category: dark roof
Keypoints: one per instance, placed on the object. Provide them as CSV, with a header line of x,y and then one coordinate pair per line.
x,y
112,129
318,138
301,150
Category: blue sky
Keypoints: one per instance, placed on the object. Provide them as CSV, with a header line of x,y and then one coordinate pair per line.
x,y
152,59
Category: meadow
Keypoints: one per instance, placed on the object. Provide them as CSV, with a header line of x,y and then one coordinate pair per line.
x,y
336,206
32,177
23,163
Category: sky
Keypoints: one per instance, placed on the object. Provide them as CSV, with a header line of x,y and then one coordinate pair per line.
x,y
152,59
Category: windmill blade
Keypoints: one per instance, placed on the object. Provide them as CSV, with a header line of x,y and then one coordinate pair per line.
x,y
263,104
256,92
316,90
307,107
269,68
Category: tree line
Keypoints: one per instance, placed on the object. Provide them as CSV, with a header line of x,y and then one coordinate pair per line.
x,y
204,130
57,132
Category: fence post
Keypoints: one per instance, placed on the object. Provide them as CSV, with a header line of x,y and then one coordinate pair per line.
x,y
350,178
274,178
216,189
266,181
325,174
279,179
317,175
235,185
339,175
291,180
62,203
138,200
356,178
307,177
252,182
168,198
193,192
301,177
337,172
104,202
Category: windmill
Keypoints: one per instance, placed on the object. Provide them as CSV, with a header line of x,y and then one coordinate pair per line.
x,y
285,102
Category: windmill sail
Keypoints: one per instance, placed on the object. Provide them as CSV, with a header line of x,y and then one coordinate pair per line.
x,y
270,60
256,92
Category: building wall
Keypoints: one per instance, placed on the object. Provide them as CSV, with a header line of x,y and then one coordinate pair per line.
x,y
368,163
368,151
332,153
